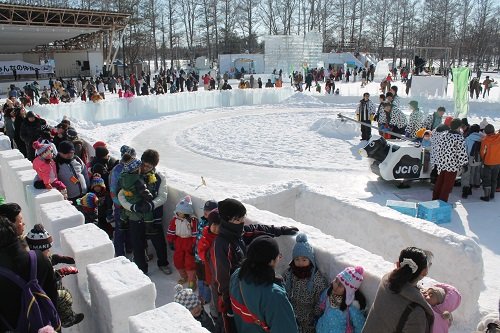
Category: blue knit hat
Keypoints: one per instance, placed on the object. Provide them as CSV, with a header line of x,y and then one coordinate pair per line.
x,y
127,150
303,249
185,206
131,165
97,181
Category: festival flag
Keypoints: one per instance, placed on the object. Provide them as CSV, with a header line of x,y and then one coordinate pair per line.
x,y
460,91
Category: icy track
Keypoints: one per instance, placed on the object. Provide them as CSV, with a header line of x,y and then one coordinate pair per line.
x,y
288,158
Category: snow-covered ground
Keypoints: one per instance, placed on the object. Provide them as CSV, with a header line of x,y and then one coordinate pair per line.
x,y
253,152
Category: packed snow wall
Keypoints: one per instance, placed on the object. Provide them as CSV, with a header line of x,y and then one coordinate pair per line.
x,y
385,232
140,107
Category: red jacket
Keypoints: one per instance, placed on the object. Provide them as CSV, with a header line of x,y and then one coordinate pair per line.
x,y
172,232
204,245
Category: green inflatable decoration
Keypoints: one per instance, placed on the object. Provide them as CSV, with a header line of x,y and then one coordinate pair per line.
x,y
460,92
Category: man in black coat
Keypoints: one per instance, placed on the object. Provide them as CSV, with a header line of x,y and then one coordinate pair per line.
x,y
31,129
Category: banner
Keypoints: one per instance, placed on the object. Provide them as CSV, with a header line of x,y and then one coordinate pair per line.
x,y
460,91
21,67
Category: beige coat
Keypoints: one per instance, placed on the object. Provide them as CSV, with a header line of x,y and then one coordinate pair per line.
x,y
388,307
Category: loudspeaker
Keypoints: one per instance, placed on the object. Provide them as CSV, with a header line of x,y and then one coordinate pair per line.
x,y
86,66
78,62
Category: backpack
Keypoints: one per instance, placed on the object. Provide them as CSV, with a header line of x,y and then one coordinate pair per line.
x,y
37,309
475,152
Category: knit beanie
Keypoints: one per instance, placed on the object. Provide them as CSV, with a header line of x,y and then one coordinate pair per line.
x,y
89,200
127,150
213,217
99,144
448,120
66,147
351,278
185,206
186,297
263,249
131,165
489,129
455,124
230,208
38,238
71,133
101,152
97,181
302,248
414,105
420,133
483,123
41,148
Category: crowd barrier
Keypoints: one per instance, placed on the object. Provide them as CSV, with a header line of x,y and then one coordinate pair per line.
x,y
150,106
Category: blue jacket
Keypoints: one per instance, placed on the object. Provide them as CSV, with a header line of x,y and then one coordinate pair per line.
x,y
114,184
268,302
334,320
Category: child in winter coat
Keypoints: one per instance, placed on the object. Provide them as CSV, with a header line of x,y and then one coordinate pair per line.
x,y
181,236
341,312
209,233
187,298
88,205
304,284
39,239
46,169
201,273
444,299
135,190
98,187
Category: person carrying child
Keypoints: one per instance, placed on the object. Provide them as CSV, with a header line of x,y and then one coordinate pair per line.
x,y
304,283
181,236
136,193
39,239
187,298
46,169
444,299
343,303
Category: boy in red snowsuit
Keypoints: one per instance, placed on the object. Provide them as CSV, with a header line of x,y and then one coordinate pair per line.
x,y
181,236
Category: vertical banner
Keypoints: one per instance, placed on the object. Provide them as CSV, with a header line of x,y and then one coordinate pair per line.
x,y
460,93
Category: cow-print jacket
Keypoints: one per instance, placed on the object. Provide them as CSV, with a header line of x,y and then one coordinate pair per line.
x,y
448,151
414,124
398,118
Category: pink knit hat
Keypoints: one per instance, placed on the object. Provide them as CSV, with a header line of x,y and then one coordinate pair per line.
x,y
351,278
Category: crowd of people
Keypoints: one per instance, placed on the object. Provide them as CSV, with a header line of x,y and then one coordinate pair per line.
x,y
453,146
232,264
229,263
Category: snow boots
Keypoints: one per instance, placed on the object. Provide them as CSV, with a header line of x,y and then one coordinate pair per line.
x,y
466,191
487,194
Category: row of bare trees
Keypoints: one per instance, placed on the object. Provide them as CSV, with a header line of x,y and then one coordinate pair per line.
x,y
165,30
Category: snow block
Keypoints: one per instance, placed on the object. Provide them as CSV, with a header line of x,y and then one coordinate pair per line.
x,y
88,245
35,198
404,207
9,176
4,142
21,181
436,211
171,317
60,215
6,156
118,290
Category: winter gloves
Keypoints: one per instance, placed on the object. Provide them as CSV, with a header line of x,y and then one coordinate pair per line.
x,y
289,231
58,259
68,270
141,187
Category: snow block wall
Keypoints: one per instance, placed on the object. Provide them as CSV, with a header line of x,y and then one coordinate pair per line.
x,y
173,316
139,107
385,232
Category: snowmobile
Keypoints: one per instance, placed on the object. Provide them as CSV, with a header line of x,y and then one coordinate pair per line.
x,y
395,159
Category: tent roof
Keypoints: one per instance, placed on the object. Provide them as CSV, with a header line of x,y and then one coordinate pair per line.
x,y
22,38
